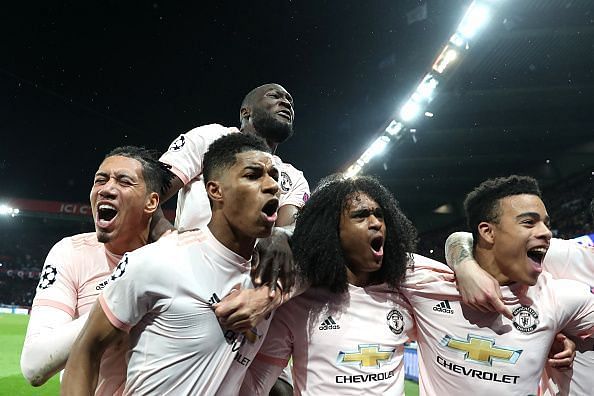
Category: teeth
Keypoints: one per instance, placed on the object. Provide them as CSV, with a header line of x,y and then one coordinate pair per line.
x,y
106,206
539,250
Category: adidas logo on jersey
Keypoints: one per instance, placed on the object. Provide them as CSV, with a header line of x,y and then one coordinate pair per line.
x,y
329,324
214,299
444,307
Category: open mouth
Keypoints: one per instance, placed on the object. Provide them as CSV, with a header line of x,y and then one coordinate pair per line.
x,y
537,254
106,213
377,246
270,209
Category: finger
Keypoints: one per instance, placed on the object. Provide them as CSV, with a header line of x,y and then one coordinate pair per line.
x,y
258,268
500,307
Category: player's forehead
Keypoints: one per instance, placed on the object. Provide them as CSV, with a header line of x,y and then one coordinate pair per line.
x,y
253,158
120,165
516,205
360,200
273,88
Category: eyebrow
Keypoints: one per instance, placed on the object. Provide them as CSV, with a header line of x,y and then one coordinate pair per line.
x,y
118,174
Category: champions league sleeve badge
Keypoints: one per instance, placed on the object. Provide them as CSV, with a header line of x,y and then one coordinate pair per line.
x,y
178,143
120,269
47,276
285,182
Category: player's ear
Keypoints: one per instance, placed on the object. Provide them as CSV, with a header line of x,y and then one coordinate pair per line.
x,y
244,114
215,191
152,203
486,231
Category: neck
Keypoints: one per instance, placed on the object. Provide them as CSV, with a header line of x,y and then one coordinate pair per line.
x,y
360,280
249,128
122,246
486,260
231,238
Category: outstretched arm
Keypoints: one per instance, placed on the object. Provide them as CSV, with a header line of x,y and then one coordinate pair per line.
x,y
477,288
82,368
50,335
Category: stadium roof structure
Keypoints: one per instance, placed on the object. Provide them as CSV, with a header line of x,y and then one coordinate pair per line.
x,y
80,79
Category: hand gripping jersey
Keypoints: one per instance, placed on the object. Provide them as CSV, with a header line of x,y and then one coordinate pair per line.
x,y
570,260
163,295
75,272
463,351
185,157
349,344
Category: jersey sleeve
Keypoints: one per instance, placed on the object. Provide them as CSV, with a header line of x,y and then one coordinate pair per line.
x,y
277,347
298,192
430,279
185,154
570,260
57,281
138,285
575,306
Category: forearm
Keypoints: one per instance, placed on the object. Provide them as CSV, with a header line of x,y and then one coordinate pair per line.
x,y
458,248
82,368
47,345
82,371
260,378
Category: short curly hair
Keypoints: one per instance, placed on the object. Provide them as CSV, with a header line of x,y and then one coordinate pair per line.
x,y
155,173
316,243
482,203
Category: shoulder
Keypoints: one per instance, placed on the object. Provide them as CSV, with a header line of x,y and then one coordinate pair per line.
x,y
418,262
211,131
285,166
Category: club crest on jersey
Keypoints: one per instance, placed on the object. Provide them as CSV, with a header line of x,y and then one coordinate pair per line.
x,y
395,321
285,182
47,276
120,269
525,319
178,143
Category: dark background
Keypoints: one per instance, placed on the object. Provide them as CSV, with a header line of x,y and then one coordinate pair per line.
x,y
79,78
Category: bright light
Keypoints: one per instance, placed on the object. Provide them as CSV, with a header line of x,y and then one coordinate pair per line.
x,y
379,145
475,18
447,56
410,110
428,114
394,127
426,87
6,210
353,170
457,40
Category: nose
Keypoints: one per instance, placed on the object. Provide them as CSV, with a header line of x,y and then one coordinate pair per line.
x,y
270,186
108,189
375,223
543,231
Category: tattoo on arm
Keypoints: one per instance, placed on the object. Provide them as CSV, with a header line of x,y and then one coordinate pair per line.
x,y
458,248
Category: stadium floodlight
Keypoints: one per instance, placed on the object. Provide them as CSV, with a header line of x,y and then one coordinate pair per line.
x,y
458,40
352,171
410,110
6,210
427,87
394,128
428,114
447,56
474,19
